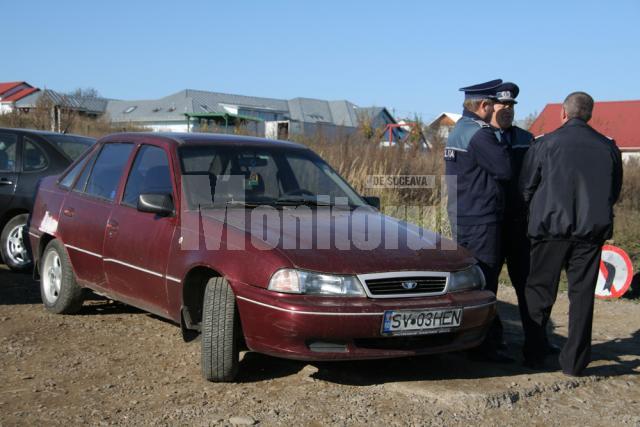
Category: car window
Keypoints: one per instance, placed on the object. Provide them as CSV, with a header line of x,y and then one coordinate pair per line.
x,y
259,176
8,145
70,177
107,170
71,145
81,183
150,174
33,159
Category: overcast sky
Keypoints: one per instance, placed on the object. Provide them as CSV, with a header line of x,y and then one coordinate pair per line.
x,y
408,56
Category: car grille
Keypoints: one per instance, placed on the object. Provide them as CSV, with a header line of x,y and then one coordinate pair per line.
x,y
397,286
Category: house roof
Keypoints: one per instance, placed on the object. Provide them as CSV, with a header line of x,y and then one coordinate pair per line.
x,y
81,103
14,91
6,86
189,101
453,116
616,119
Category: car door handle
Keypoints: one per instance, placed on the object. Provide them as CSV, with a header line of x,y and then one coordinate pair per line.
x,y
68,212
112,226
5,181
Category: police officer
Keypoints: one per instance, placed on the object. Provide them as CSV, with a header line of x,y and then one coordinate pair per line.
x,y
477,165
571,177
515,242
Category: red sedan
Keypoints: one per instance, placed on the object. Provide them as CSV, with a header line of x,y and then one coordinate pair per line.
x,y
256,244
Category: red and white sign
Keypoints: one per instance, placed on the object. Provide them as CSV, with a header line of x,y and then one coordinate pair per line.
x,y
616,273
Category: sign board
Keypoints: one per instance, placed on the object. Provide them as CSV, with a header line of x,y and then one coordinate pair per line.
x,y
616,273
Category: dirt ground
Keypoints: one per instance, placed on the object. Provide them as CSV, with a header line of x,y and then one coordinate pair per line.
x,y
113,364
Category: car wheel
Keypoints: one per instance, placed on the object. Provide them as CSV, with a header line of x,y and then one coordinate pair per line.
x,y
14,243
220,332
58,288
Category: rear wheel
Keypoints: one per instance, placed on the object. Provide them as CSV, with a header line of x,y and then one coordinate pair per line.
x,y
220,332
58,288
14,243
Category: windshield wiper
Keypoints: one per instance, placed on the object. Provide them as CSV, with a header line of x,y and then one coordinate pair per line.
x,y
243,203
295,201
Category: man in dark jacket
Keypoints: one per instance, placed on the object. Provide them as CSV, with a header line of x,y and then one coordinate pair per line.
x,y
571,179
477,164
515,242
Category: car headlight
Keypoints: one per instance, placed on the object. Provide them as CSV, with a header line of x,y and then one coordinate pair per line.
x,y
464,280
309,283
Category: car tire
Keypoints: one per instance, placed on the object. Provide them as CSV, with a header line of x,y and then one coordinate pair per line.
x,y
220,332
59,290
15,241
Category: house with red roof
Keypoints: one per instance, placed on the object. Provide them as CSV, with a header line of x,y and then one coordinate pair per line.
x,y
11,92
615,119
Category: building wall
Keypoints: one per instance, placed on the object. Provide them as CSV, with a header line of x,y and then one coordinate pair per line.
x,y
6,108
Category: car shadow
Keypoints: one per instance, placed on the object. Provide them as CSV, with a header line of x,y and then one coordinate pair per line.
x,y
20,288
256,367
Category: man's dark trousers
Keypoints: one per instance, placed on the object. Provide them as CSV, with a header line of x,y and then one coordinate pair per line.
x,y
484,242
581,260
516,253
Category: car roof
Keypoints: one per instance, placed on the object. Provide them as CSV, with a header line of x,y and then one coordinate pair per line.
x,y
42,132
178,139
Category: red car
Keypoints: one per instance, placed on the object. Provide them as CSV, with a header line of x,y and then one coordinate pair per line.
x,y
256,244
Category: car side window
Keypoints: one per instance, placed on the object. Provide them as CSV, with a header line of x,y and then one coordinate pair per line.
x,y
150,174
81,183
8,147
33,159
70,177
107,170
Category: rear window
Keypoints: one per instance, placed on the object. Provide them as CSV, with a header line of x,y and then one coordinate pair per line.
x,y
71,145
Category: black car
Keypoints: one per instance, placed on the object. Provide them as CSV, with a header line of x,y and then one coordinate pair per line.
x,y
25,157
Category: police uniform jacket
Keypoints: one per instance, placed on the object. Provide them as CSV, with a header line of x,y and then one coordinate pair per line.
x,y
479,163
572,178
518,142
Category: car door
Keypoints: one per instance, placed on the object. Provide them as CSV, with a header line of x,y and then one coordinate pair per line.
x,y
8,168
86,210
136,248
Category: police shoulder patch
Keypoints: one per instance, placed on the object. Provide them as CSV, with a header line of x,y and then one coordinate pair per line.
x,y
450,154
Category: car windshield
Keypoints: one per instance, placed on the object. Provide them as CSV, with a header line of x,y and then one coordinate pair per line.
x,y
71,145
215,175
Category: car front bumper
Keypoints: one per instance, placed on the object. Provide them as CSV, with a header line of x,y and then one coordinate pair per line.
x,y
339,328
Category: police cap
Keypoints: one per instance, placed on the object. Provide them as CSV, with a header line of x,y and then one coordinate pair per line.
x,y
481,90
507,92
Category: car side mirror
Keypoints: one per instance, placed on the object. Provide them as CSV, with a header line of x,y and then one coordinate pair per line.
x,y
160,204
373,201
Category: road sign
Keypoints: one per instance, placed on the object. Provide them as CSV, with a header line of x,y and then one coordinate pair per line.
x,y
616,273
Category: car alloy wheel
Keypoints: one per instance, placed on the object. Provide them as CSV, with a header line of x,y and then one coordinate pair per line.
x,y
60,292
16,249
52,276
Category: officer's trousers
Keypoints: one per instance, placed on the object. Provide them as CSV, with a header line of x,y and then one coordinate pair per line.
x,y
516,253
581,261
484,242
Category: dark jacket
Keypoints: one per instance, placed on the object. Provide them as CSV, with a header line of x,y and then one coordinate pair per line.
x,y
571,179
518,142
476,163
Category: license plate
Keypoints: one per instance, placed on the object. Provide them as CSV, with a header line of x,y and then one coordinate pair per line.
x,y
417,322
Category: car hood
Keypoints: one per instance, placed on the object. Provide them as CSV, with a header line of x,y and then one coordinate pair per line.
x,y
348,242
